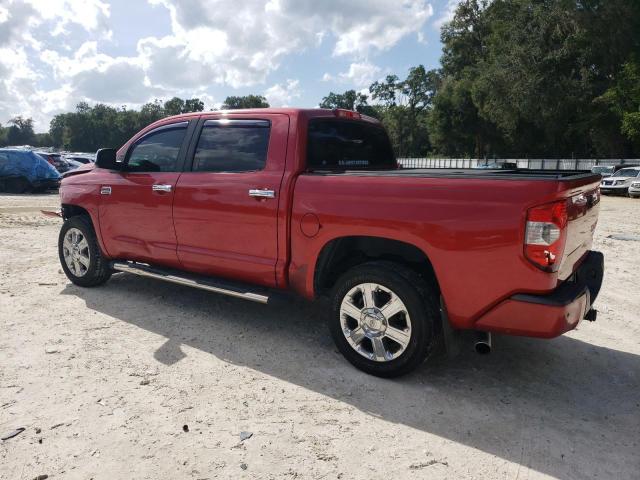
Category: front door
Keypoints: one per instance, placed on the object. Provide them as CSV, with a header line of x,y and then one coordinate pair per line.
x,y
226,206
136,204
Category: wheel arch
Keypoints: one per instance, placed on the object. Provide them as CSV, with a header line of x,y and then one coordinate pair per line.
x,y
340,254
70,210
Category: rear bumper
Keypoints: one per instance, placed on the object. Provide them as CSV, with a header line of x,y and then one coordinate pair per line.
x,y
550,315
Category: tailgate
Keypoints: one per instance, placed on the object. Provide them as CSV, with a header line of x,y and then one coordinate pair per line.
x,y
583,218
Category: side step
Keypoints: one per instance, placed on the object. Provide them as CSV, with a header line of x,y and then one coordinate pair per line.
x,y
239,290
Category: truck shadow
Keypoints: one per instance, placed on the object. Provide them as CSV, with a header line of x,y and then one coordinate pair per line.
x,y
548,405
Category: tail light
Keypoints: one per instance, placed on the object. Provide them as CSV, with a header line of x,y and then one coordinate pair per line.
x,y
546,230
546,234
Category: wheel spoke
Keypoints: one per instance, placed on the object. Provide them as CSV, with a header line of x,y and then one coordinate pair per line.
x,y
84,260
367,295
393,307
379,352
399,336
83,245
357,334
350,309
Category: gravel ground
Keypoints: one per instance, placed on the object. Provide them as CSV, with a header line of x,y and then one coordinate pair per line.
x,y
142,379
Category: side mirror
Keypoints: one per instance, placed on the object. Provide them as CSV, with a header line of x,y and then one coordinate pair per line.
x,y
106,158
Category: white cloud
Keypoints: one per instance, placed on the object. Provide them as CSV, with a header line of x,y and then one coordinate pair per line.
x,y
241,43
226,43
283,95
359,74
447,14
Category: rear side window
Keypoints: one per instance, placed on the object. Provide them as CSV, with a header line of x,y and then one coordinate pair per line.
x,y
158,151
348,145
232,146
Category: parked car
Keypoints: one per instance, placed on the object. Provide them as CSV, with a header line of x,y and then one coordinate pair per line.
x,y
80,157
608,170
253,203
603,170
56,159
634,189
620,181
24,171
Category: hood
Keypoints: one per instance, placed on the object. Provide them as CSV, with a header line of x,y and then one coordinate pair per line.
x,y
84,168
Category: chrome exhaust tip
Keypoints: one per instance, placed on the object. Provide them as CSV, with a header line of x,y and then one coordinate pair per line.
x,y
483,343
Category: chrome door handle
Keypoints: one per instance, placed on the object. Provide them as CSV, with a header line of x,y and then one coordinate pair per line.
x,y
264,193
161,188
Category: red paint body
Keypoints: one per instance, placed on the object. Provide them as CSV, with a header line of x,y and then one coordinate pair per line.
x,y
470,228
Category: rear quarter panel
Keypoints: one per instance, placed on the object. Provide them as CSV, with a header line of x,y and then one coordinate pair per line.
x,y
471,230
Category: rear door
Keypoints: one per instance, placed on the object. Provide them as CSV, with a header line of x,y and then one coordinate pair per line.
x,y
136,203
226,205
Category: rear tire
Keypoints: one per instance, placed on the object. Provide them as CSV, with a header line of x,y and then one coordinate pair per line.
x,y
80,255
381,342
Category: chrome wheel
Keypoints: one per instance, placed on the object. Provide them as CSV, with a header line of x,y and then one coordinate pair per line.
x,y
375,322
75,250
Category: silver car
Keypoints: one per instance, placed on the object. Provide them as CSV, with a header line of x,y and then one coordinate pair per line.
x,y
634,189
620,182
604,170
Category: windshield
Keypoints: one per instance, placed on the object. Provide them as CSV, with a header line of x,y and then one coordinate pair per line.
x,y
602,169
627,172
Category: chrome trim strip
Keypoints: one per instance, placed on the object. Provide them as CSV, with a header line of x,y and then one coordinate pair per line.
x,y
237,122
147,272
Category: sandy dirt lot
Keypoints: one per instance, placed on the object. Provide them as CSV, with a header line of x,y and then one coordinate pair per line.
x,y
142,379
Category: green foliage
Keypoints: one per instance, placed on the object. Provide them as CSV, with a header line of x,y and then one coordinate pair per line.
x,y
524,77
247,101
19,133
90,128
622,100
404,109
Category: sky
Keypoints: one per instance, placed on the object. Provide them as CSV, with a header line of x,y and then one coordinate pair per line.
x,y
56,53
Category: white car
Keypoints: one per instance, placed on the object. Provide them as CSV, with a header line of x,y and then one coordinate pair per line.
x,y
620,182
634,189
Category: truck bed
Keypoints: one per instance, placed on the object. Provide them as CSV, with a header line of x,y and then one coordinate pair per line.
x,y
470,223
501,174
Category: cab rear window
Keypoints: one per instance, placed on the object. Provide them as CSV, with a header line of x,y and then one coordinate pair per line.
x,y
334,144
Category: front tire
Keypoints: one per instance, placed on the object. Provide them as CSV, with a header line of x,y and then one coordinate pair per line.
x,y
80,255
384,318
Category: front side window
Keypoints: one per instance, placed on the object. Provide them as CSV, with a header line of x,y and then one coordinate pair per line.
x,y
232,146
348,145
158,151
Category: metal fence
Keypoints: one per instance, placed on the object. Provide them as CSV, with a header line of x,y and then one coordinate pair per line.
x,y
534,164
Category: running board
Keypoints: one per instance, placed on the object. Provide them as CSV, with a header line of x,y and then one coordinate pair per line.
x,y
238,290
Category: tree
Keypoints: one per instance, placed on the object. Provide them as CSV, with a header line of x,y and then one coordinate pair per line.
x,y
20,132
535,74
622,100
247,101
193,105
405,104
93,127
176,106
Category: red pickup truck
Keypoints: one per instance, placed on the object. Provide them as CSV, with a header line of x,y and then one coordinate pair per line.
x,y
250,203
